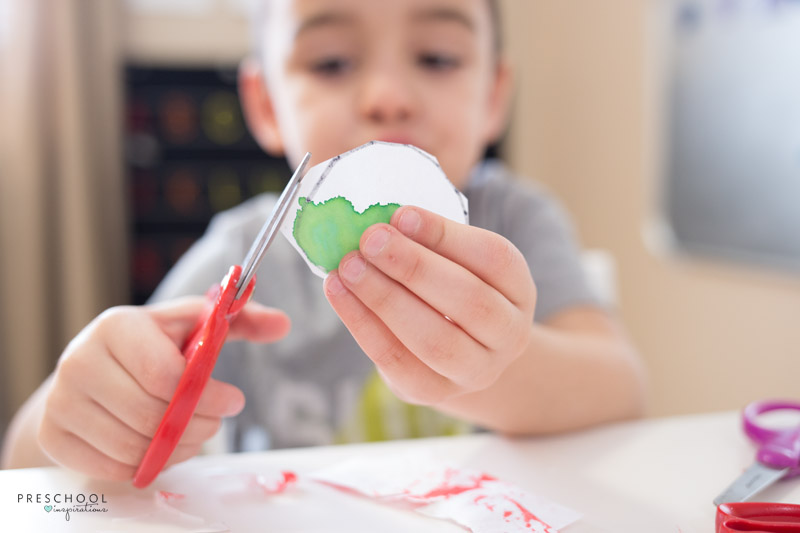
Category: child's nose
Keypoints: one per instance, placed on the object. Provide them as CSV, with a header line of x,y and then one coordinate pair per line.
x,y
387,96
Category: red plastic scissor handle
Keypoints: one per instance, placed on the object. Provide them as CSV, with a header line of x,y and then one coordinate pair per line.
x,y
758,517
201,351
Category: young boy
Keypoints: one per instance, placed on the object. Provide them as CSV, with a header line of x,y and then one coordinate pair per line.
x,y
444,312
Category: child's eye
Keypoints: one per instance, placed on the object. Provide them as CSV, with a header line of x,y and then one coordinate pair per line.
x,y
438,62
331,66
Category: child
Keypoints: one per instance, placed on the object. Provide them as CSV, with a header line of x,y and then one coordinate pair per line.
x,y
444,312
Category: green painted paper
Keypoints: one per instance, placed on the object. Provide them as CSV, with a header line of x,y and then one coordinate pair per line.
x,y
329,230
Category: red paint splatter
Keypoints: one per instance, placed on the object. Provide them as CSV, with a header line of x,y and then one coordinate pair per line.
x,y
447,490
167,496
495,497
273,486
529,516
488,505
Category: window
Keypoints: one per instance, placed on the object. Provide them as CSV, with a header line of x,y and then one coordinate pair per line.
x,y
5,20
732,175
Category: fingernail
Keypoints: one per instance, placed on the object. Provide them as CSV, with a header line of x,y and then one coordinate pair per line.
x,y
334,286
409,222
375,242
234,408
353,269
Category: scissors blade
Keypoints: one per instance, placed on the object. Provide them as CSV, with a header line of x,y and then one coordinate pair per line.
x,y
752,481
270,227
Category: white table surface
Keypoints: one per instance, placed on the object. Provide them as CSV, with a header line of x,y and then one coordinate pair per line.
x,y
645,476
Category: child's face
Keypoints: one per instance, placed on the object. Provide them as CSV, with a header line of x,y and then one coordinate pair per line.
x,y
342,72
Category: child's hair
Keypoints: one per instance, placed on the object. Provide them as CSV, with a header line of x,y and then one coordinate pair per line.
x,y
261,14
497,27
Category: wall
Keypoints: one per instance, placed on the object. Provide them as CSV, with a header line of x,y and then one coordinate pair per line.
x,y
201,32
586,124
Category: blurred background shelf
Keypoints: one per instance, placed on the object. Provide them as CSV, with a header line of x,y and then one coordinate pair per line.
x,y
188,156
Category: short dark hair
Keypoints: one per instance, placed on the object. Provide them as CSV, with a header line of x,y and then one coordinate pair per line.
x,y
497,26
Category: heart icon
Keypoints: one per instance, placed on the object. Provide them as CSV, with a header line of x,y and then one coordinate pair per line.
x,y
48,508
329,230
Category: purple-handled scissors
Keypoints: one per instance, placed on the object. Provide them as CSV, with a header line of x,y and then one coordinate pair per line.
x,y
778,455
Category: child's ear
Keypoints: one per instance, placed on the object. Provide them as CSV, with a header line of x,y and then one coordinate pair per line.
x,y
257,107
499,100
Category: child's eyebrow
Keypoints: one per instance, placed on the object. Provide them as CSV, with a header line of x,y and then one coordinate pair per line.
x,y
445,14
325,18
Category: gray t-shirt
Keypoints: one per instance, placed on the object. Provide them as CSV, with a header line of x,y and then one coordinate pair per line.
x,y
316,386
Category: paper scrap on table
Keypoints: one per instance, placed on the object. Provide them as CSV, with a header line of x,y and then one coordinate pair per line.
x,y
177,511
467,497
341,197
165,516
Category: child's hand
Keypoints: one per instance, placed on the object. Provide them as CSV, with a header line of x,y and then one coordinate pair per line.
x,y
113,383
441,308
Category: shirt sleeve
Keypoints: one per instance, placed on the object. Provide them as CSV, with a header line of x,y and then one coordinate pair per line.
x,y
554,257
540,228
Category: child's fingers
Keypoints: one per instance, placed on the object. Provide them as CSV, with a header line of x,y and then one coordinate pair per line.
x,y
182,453
113,438
479,309
220,399
143,349
200,429
93,424
256,323
73,452
436,341
489,256
69,450
411,379
116,390
156,364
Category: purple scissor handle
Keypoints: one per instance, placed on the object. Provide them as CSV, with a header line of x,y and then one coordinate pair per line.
x,y
777,448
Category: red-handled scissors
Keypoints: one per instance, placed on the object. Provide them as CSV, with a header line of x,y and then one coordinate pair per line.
x,y
206,340
778,455
758,517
